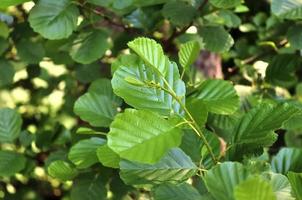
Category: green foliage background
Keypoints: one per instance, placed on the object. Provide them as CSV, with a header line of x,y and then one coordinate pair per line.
x,y
150,99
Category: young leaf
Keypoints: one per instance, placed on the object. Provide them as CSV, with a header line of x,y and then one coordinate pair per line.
x,y
254,188
219,96
174,167
295,180
83,153
188,53
108,157
256,128
54,19
151,95
288,9
142,136
89,46
287,159
222,179
11,163
151,52
62,170
182,191
10,125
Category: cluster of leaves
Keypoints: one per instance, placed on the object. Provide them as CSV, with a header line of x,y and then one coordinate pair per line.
x,y
92,108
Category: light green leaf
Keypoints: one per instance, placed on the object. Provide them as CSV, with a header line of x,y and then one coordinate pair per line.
x,y
174,167
223,40
281,70
188,53
4,29
30,52
107,157
6,3
295,180
142,136
287,159
288,9
88,186
179,13
83,153
254,188
222,179
10,125
151,52
225,3
7,73
281,186
11,163
294,35
151,96
62,170
97,109
255,129
54,19
89,46
182,191
219,96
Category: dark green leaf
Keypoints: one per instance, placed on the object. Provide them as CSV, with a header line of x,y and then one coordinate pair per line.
x,y
11,163
10,125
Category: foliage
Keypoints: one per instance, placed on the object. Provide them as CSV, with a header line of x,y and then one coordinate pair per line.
x,y
157,99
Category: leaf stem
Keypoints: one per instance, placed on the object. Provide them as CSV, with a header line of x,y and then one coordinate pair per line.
x,y
193,123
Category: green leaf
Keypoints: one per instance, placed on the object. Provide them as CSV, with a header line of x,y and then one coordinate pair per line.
x,y
151,96
188,53
107,157
254,188
151,52
288,9
142,136
219,96
103,87
54,19
222,179
11,163
88,73
255,129
182,191
83,153
281,70
223,17
30,52
281,186
295,180
89,46
223,40
225,3
294,35
7,73
6,3
287,159
4,29
179,13
96,109
174,167
10,125
88,186
62,170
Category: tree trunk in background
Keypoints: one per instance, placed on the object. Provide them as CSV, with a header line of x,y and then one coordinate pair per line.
x,y
210,64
